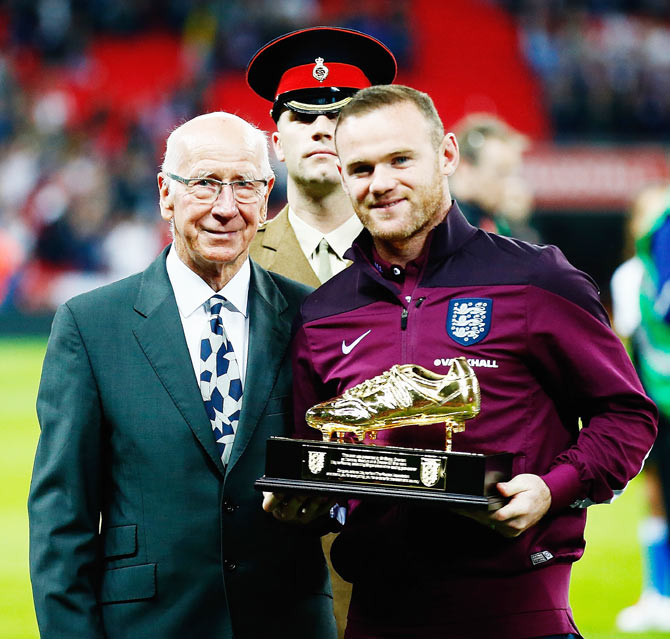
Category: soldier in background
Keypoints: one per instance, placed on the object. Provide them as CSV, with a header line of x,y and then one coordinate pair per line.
x,y
309,75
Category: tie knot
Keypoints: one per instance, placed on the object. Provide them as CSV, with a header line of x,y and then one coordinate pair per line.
x,y
216,303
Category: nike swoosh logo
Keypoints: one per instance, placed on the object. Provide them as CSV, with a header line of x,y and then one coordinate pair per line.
x,y
347,348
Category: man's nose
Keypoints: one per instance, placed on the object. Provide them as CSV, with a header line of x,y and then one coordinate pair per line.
x,y
323,127
225,203
382,181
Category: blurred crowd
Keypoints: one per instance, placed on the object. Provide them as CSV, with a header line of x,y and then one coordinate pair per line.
x,y
604,65
78,199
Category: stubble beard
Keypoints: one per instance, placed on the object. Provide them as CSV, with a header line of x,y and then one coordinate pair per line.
x,y
429,203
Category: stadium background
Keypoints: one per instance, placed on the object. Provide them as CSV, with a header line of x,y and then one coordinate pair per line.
x,y
89,88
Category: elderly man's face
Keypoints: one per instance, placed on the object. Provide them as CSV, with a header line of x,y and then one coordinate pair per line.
x,y
210,236
393,173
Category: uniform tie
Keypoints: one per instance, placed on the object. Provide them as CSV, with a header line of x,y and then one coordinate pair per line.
x,y
220,382
325,270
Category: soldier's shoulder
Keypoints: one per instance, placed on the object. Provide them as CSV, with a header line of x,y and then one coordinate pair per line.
x,y
272,222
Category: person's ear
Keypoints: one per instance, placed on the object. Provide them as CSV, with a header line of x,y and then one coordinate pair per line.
x,y
345,187
276,146
264,206
166,197
449,154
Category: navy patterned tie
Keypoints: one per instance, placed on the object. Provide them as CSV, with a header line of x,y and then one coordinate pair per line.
x,y
220,382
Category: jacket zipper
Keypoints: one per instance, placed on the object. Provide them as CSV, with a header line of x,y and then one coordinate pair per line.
x,y
404,316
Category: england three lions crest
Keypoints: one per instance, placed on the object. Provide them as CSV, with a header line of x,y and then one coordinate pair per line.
x,y
469,319
432,470
316,461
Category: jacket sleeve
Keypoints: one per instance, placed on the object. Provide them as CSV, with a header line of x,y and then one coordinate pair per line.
x,y
65,492
589,376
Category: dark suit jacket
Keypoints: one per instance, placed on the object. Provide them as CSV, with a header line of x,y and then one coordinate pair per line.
x,y
275,247
135,529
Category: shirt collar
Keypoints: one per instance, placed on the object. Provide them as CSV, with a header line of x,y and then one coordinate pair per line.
x,y
340,239
191,291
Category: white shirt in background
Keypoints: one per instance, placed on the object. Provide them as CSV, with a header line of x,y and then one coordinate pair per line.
x,y
340,240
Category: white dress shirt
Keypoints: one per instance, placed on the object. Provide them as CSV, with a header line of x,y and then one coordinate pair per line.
x,y
192,293
340,240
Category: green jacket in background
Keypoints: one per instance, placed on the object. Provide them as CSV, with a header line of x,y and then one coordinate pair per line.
x,y
652,339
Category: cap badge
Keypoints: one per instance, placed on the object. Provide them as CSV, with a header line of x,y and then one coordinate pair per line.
x,y
320,71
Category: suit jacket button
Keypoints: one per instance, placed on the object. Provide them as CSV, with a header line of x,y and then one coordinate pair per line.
x,y
228,507
229,565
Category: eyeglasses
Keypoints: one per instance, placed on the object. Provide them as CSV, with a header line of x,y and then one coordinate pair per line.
x,y
207,190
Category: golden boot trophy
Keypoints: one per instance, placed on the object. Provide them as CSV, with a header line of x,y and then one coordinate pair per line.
x,y
404,395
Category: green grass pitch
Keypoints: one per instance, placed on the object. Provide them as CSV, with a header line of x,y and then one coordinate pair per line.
x,y
605,580
20,365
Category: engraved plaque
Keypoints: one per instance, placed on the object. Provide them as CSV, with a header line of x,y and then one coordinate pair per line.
x,y
386,472
373,466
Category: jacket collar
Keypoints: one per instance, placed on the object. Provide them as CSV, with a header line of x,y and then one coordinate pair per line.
x,y
154,287
274,230
161,337
447,238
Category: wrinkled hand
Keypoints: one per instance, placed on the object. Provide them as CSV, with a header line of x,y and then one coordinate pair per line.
x,y
530,499
297,508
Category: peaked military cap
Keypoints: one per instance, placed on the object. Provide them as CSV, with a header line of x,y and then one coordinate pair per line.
x,y
318,70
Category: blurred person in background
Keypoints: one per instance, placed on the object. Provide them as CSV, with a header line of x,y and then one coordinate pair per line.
x,y
641,316
309,75
488,184
158,394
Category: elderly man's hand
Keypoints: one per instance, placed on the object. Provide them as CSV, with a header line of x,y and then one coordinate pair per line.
x,y
296,508
530,499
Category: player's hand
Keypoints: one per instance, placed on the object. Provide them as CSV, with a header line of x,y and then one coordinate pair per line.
x,y
297,508
530,499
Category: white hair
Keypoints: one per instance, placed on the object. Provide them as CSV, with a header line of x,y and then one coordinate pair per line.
x,y
253,136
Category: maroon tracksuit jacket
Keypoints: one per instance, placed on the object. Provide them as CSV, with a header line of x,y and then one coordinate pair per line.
x,y
558,391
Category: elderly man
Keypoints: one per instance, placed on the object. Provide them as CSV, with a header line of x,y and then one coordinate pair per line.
x,y
557,390
157,396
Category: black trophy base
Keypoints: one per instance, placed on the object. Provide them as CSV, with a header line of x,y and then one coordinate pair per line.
x,y
384,472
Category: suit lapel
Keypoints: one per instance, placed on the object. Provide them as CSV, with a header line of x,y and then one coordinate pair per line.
x,y
160,335
287,256
269,335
